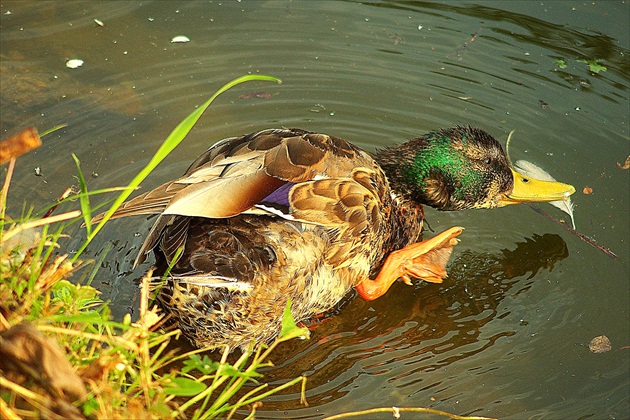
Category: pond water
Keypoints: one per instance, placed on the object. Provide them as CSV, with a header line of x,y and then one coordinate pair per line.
x,y
507,333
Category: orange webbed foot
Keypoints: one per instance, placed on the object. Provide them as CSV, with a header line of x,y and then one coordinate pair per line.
x,y
425,260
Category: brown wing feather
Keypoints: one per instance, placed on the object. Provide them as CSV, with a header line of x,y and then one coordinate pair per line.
x,y
223,197
354,207
152,202
236,173
337,185
153,237
308,155
340,203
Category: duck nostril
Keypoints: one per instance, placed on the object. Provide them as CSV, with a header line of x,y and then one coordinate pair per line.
x,y
525,180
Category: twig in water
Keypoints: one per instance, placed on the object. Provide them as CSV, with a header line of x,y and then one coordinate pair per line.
x,y
397,410
582,236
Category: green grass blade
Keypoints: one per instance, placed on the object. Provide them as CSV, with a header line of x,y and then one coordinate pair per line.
x,y
72,198
289,328
84,198
174,139
185,387
52,130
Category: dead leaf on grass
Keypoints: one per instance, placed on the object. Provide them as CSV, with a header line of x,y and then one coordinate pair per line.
x,y
18,144
24,349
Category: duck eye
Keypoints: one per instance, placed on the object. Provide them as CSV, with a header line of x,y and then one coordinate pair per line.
x,y
488,161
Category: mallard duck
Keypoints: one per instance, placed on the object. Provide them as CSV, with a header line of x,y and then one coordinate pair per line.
x,y
287,213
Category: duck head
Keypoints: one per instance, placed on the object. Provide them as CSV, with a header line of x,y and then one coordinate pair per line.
x,y
460,168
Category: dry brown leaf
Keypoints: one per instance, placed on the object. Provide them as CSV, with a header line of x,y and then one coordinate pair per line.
x,y
587,190
600,344
24,349
626,164
18,144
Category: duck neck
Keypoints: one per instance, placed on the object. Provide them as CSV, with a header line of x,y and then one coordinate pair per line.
x,y
400,164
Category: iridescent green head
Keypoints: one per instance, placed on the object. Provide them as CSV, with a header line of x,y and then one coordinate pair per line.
x,y
459,168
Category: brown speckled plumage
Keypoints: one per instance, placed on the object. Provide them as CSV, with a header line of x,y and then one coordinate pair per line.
x,y
344,224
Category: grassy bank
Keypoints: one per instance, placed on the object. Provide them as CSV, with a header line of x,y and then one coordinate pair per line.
x,y
63,356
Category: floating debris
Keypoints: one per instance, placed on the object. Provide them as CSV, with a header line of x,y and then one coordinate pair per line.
x,y
318,108
625,166
99,22
179,39
600,344
593,65
587,190
74,63
580,235
561,64
259,95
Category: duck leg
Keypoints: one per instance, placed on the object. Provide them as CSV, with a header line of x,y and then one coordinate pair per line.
x,y
425,260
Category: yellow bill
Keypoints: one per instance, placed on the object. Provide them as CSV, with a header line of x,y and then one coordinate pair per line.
x,y
529,190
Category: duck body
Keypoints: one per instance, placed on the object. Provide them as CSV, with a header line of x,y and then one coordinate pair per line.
x,y
236,273
287,214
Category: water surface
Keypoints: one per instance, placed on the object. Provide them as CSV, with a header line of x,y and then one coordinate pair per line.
x,y
506,334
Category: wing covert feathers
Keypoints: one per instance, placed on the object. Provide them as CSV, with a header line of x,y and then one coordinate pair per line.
x,y
236,173
327,181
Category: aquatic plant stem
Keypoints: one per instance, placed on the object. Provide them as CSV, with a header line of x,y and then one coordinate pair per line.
x,y
5,188
397,410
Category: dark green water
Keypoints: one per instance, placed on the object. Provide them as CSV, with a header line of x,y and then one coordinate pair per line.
x,y
507,333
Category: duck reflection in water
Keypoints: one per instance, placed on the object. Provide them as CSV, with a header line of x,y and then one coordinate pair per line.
x,y
433,318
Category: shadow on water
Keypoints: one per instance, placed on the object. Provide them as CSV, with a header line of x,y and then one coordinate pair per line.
x,y
411,331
